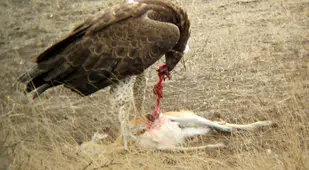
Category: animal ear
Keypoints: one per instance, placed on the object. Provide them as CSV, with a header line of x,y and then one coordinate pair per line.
x,y
150,117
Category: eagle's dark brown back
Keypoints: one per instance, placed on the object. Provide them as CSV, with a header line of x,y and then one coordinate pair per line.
x,y
121,41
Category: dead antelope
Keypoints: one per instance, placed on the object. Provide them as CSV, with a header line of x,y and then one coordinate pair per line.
x,y
170,130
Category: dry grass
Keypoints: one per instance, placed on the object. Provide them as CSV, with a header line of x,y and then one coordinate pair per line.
x,y
249,61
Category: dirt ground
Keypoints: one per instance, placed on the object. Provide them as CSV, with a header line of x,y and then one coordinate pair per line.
x,y
248,61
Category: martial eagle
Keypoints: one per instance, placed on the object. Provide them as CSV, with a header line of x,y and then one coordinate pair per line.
x,y
111,48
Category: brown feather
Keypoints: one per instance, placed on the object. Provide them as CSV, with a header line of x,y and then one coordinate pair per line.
x,y
123,40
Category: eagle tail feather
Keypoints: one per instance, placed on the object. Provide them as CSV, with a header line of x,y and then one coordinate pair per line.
x,y
41,90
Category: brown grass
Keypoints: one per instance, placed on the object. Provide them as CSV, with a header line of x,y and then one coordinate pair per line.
x,y
248,61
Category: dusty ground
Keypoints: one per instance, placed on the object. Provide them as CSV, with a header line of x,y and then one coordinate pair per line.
x,y
248,61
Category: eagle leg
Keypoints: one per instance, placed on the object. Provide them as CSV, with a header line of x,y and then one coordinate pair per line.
x,y
139,90
124,125
121,100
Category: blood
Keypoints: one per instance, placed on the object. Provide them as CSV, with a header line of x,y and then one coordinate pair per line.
x,y
163,73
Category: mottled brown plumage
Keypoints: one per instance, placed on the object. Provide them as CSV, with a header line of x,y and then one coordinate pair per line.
x,y
110,48
113,44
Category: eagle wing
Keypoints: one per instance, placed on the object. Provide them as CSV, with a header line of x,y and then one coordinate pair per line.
x,y
106,48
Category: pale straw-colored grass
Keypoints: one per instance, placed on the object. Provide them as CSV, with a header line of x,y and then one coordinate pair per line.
x,y
248,61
